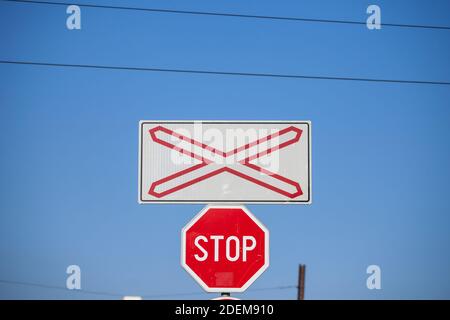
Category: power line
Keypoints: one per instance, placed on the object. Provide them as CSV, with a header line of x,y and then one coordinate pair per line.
x,y
223,73
119,295
273,288
230,15
201,293
45,286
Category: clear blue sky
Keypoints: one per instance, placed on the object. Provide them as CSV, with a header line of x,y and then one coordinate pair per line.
x,y
69,144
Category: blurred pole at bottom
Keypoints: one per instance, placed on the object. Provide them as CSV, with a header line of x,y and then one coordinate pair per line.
x,y
301,282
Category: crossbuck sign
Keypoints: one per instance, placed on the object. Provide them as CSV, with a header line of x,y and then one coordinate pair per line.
x,y
225,162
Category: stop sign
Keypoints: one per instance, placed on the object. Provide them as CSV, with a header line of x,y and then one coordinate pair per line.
x,y
225,248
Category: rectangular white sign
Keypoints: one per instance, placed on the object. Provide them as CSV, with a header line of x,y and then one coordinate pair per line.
x,y
225,162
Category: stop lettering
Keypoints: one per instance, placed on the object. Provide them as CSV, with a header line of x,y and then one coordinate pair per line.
x,y
231,254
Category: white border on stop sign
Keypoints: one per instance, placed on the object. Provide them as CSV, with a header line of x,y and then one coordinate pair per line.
x,y
197,278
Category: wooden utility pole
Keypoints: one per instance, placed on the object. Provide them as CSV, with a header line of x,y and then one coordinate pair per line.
x,y
301,282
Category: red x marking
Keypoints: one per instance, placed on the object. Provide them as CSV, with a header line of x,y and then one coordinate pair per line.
x,y
247,170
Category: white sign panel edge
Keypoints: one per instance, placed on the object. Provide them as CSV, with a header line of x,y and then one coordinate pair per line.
x,y
225,202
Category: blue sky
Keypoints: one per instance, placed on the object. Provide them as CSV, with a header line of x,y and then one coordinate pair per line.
x,y
69,144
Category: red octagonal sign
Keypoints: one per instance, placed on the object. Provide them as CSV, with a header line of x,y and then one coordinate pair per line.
x,y
225,248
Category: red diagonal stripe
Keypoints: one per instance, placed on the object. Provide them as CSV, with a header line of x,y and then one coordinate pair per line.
x,y
205,162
